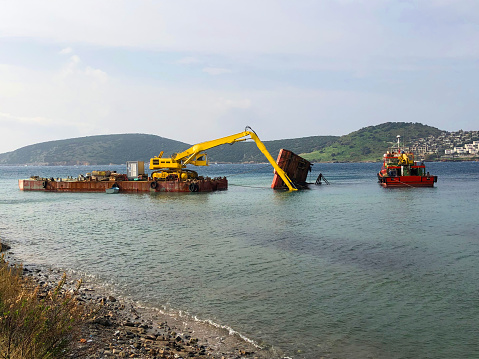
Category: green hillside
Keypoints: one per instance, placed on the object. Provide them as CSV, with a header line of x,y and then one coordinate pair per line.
x,y
369,143
366,144
95,150
118,149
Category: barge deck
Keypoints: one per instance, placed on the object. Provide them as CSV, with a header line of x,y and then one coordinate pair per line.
x,y
136,186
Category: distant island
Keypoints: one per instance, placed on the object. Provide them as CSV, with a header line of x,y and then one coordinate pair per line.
x,y
365,145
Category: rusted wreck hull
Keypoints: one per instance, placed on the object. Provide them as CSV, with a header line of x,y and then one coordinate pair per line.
x,y
296,167
149,186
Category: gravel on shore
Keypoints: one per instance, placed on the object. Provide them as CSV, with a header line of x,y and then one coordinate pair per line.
x,y
123,329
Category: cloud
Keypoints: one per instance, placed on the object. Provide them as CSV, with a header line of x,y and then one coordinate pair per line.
x,y
71,102
322,28
80,105
63,103
188,60
66,51
157,67
71,66
26,120
237,103
99,75
216,71
74,67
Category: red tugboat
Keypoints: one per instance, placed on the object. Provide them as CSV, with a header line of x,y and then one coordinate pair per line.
x,y
400,170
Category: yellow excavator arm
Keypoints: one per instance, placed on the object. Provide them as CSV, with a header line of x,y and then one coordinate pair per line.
x,y
195,155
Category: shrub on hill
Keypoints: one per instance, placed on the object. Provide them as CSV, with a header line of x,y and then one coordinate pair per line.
x,y
369,143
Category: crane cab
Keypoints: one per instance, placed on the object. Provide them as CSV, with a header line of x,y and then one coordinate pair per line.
x,y
200,159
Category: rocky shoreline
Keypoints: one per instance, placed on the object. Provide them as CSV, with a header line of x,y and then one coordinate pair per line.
x,y
120,328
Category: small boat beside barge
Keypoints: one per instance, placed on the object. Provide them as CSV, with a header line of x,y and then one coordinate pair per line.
x,y
113,190
399,169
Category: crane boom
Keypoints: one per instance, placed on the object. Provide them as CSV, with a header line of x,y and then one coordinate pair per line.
x,y
195,155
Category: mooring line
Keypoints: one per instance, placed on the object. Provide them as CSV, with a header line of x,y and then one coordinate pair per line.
x,y
242,185
238,174
254,170
405,183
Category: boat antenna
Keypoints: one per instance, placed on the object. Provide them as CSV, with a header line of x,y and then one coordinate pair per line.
x,y
399,138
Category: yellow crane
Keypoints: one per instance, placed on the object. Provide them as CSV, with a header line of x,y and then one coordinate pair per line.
x,y
175,166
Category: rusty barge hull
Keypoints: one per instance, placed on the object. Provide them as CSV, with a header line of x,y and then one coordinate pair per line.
x,y
147,186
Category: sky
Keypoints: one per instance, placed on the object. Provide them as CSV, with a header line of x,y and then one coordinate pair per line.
x,y
195,71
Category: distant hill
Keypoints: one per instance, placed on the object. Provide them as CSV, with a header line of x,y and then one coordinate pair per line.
x,y
94,150
369,143
118,149
366,144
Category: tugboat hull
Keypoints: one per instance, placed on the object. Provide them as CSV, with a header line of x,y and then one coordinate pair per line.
x,y
407,181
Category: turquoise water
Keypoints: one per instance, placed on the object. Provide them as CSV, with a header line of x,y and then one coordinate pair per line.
x,y
350,270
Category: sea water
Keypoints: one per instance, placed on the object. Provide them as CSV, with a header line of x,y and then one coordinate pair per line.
x,y
349,270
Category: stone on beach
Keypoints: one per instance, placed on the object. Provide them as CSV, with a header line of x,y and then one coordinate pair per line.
x,y
121,329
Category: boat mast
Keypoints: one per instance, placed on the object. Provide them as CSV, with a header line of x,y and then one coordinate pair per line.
x,y
398,137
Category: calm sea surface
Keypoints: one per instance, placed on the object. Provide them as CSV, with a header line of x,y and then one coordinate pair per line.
x,y
350,270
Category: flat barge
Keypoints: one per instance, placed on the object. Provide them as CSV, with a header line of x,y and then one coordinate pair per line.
x,y
147,185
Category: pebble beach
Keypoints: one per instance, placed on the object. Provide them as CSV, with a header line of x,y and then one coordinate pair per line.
x,y
122,328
